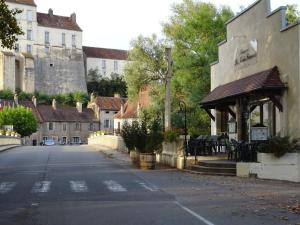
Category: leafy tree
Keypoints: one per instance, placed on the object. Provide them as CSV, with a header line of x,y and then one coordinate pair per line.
x,y
21,118
195,28
292,14
147,64
8,26
93,75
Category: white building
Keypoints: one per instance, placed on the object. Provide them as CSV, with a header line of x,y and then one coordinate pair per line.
x,y
106,61
49,54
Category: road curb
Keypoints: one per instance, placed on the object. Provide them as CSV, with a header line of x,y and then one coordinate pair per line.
x,y
5,148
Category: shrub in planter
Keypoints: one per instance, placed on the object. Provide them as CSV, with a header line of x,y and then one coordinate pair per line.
x,y
278,146
171,136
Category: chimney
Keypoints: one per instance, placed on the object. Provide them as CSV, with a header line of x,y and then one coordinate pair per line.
x,y
117,95
73,17
122,110
54,104
50,12
79,107
34,100
16,99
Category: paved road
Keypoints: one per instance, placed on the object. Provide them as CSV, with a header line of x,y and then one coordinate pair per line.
x,y
79,185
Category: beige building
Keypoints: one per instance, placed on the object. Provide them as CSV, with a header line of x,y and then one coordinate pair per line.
x,y
106,61
63,124
106,108
49,54
256,80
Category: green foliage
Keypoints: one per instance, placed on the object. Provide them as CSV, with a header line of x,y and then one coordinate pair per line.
x,y
6,94
144,136
93,75
108,86
9,26
195,28
171,136
147,64
21,118
278,146
292,14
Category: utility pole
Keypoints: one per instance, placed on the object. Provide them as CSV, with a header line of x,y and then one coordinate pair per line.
x,y
168,89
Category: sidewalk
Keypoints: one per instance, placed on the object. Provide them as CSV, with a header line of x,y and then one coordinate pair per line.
x,y
8,147
111,153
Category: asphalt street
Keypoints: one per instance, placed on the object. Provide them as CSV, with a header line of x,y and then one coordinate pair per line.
x,y
81,185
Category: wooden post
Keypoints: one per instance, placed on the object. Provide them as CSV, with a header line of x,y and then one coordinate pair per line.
x,y
261,114
168,90
241,106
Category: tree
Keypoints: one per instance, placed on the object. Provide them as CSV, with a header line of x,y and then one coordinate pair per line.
x,y
147,64
195,28
8,26
292,14
93,75
21,118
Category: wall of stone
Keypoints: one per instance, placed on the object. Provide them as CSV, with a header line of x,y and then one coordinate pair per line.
x,y
108,141
60,71
4,140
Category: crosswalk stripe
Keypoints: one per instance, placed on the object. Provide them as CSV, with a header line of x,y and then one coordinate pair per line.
x,y
151,188
78,186
114,186
41,187
6,187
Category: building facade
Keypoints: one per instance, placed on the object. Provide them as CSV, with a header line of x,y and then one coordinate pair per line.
x,y
48,57
106,108
256,81
106,61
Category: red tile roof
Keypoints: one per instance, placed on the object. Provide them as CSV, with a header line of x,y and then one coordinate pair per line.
x,y
265,80
60,22
131,108
105,53
24,2
110,103
65,114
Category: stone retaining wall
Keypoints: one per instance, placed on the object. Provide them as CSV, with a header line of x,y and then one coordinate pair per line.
x,y
108,141
5,140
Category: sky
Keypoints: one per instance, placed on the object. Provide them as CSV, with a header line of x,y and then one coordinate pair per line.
x,y
114,23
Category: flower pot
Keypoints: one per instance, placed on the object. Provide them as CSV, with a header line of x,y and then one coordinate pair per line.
x,y
135,158
147,161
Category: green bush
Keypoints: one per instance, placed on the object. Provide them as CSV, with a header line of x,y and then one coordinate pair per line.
x,y
278,146
21,118
171,136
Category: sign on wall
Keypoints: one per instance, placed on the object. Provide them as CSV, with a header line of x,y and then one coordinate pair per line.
x,y
259,133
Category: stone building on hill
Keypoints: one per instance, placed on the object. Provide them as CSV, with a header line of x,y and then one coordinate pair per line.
x,y
48,57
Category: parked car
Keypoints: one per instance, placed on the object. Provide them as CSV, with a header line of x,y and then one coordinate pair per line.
x,y
48,142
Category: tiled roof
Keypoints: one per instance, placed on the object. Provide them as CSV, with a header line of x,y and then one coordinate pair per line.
x,y
105,53
65,114
24,2
131,108
27,104
60,22
265,80
110,103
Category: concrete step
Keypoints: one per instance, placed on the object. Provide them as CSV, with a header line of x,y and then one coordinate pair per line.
x,y
218,164
214,169
210,174
218,168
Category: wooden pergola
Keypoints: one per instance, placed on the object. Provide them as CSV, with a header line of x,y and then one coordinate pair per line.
x,y
246,94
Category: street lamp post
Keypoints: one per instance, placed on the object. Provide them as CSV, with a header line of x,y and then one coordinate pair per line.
x,y
182,106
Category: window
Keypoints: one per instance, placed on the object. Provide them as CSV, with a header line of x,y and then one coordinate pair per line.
x,y
104,67
47,49
107,112
73,40
29,34
63,39
29,48
45,138
76,140
50,126
116,66
29,15
64,127
91,126
47,37
17,47
77,126
106,123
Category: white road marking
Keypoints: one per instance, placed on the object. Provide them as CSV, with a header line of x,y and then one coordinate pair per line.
x,y
41,187
114,186
6,187
78,186
151,188
202,219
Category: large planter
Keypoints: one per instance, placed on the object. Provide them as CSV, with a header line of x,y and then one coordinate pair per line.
x,y
147,161
135,158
